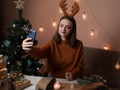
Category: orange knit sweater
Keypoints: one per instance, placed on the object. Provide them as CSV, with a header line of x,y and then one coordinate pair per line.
x,y
62,58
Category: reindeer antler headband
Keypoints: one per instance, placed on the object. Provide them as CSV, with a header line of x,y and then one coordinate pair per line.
x,y
75,8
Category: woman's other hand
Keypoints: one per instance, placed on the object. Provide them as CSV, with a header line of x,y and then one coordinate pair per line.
x,y
68,76
27,44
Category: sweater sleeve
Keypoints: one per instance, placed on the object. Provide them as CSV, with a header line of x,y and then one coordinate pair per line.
x,y
78,70
40,51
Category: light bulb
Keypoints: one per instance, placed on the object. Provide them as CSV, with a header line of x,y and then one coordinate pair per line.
x,y
92,32
41,28
117,66
14,25
57,85
54,23
106,47
8,62
38,68
84,15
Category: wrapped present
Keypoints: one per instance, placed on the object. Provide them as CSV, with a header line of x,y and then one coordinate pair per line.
x,y
18,80
72,86
21,84
3,73
2,64
4,84
94,82
45,84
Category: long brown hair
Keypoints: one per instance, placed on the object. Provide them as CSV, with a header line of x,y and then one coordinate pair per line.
x,y
71,39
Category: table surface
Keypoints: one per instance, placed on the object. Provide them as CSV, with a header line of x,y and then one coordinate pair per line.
x,y
35,79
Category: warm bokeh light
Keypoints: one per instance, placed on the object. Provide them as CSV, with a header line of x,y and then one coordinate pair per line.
x,y
106,47
92,32
84,15
54,23
117,66
41,28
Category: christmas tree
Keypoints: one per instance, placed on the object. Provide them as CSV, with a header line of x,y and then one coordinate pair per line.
x,y
10,46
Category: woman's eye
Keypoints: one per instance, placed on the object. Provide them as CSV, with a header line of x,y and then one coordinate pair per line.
x,y
68,27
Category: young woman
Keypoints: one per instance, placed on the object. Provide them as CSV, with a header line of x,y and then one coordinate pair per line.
x,y
64,52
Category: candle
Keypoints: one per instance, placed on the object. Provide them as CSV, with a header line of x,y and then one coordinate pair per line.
x,y
56,85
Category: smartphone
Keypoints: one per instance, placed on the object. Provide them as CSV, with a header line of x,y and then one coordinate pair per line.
x,y
32,34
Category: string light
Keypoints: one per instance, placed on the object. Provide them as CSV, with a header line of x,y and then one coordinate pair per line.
x,y
8,62
106,47
107,35
14,25
41,28
117,66
84,15
54,23
92,32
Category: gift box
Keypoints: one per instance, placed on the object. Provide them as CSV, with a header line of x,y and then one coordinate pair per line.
x,y
19,85
4,84
2,64
45,84
3,73
72,86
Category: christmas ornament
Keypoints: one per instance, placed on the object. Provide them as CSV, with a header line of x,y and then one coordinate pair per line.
x,y
7,43
14,25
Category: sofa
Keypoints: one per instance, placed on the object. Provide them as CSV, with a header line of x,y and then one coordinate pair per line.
x,y
102,62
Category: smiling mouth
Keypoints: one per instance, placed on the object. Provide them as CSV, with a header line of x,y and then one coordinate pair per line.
x,y
63,32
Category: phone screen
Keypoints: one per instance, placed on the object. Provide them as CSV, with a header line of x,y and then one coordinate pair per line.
x,y
32,34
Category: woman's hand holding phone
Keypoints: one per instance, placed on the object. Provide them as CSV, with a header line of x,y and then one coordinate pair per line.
x,y
29,41
27,44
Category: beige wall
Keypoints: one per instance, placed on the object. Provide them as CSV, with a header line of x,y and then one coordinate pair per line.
x,y
103,16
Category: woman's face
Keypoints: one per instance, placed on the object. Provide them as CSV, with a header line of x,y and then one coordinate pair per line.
x,y
65,28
